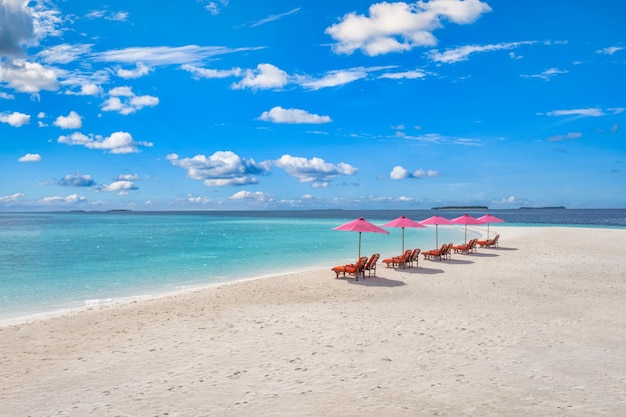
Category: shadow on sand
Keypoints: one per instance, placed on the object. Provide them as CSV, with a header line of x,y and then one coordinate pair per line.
x,y
377,282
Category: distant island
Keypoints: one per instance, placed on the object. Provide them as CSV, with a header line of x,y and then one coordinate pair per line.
x,y
543,208
461,208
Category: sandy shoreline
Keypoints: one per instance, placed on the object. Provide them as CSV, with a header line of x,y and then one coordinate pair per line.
x,y
534,327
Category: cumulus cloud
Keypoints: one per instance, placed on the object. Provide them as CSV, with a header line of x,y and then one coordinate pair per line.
x,y
117,143
70,199
266,76
294,116
400,173
27,77
223,168
314,170
248,195
139,71
16,26
8,199
76,180
71,121
15,119
398,27
120,187
124,101
30,157
462,53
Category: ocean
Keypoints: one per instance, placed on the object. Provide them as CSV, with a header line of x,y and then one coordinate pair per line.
x,y
55,261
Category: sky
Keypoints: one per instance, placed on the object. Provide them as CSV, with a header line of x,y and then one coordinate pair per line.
x,y
250,105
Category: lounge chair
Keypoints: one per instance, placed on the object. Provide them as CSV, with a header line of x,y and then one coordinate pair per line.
x,y
467,247
489,242
370,265
415,257
442,252
399,260
355,269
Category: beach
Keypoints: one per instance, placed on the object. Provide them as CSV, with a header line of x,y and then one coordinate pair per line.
x,y
534,327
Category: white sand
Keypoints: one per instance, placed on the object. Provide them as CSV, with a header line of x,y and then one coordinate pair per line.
x,y
536,327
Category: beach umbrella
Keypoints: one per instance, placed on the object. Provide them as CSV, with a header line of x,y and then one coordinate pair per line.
x,y
488,218
403,222
466,219
360,225
436,220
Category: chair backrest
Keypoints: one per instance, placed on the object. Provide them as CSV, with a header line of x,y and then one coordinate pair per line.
x,y
443,248
472,244
495,239
416,254
361,262
372,261
449,248
407,255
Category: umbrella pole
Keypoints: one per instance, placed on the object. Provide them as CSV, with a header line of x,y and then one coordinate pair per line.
x,y
359,245
402,240
436,236
487,230
465,233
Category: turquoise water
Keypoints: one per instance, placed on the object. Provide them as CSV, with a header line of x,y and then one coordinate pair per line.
x,y
51,261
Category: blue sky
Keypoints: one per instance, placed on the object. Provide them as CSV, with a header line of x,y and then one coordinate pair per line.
x,y
233,104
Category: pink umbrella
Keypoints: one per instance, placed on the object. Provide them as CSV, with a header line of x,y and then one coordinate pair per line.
x,y
488,218
466,219
403,222
436,220
360,225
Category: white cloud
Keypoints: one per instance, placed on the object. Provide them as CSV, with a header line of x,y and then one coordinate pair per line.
x,y
275,17
70,199
314,170
8,199
76,180
120,187
88,89
199,72
294,116
27,77
610,50
223,168
165,55
590,112
71,121
409,75
16,26
547,74
214,7
15,119
571,135
248,195
107,15
64,53
139,71
462,53
397,27
266,76
130,102
117,143
400,173
30,157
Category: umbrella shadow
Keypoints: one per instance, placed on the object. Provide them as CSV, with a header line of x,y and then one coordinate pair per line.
x,y
420,270
453,261
378,282
500,248
483,255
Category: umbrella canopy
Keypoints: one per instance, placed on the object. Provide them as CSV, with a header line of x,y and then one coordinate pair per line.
x,y
360,225
466,219
403,222
488,218
436,220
